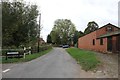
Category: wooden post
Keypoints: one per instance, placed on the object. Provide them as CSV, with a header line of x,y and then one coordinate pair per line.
x,y
24,52
6,56
39,31
24,56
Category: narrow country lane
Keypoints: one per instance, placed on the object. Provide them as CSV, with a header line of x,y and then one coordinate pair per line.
x,y
56,64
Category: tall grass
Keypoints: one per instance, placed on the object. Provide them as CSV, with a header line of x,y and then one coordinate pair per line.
x,y
87,59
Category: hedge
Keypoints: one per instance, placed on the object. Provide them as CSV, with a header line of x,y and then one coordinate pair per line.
x,y
33,49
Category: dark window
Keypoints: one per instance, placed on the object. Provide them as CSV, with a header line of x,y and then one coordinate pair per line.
x,y
101,41
93,41
109,29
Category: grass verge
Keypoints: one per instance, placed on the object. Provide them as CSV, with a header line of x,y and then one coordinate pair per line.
x,y
87,59
27,58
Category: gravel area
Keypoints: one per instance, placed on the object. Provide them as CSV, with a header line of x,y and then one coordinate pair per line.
x,y
108,66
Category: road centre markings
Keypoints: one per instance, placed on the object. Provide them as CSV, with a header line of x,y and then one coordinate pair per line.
x,y
6,70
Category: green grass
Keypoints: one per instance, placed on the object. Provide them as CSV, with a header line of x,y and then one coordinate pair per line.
x,y
27,57
87,59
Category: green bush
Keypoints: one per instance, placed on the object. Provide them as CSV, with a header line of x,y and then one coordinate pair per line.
x,y
34,49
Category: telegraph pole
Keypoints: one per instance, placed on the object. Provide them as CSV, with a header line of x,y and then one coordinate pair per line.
x,y
39,29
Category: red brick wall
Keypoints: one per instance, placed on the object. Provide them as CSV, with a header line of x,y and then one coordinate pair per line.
x,y
86,42
101,48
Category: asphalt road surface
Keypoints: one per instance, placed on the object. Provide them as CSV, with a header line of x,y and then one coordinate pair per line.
x,y
55,64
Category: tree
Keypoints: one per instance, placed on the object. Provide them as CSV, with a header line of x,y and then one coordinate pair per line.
x,y
49,39
77,35
91,26
19,23
63,30
53,35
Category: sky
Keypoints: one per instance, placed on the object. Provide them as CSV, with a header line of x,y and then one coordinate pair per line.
x,y
80,12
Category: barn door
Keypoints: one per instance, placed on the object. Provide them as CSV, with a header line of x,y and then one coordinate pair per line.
x,y
118,43
109,44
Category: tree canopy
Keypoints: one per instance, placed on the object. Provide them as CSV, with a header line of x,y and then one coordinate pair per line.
x,y
19,24
77,35
91,26
62,31
49,40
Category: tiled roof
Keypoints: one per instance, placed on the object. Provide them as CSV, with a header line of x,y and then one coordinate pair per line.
x,y
110,34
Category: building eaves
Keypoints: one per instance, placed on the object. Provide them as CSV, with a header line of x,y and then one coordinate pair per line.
x,y
110,34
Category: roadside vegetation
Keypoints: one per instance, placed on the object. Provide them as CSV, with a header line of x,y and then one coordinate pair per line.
x,y
19,24
64,32
28,57
21,32
87,59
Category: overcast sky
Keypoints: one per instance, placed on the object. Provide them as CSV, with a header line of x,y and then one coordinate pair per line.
x,y
80,12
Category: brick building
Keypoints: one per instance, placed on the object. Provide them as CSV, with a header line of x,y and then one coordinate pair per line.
x,y
105,39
